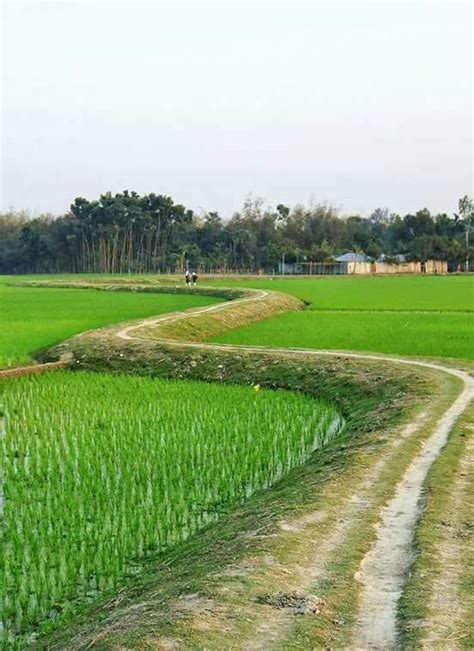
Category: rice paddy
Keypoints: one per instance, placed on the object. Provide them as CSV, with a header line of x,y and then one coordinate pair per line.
x,y
33,318
401,333
387,293
101,471
426,316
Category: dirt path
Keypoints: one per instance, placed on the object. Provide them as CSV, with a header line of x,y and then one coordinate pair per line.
x,y
383,572
275,627
124,333
33,369
385,567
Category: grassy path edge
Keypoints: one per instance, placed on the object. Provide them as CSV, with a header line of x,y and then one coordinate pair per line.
x,y
437,607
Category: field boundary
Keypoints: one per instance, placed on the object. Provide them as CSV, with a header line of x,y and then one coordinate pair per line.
x,y
33,369
383,565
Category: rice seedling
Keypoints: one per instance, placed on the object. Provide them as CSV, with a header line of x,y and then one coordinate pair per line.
x,y
101,471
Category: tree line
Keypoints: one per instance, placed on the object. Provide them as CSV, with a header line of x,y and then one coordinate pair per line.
x,y
132,233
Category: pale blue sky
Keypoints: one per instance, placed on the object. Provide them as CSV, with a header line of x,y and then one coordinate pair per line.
x,y
360,104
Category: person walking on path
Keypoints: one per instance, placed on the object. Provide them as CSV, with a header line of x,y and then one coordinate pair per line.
x,y
187,277
195,277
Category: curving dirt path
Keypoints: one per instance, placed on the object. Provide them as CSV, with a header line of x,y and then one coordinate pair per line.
x,y
385,567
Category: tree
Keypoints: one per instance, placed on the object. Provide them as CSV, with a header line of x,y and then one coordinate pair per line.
x,y
323,252
128,232
466,212
11,224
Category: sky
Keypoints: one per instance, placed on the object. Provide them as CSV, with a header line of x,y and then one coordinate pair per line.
x,y
357,104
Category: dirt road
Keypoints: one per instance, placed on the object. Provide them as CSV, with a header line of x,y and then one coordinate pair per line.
x,y
385,567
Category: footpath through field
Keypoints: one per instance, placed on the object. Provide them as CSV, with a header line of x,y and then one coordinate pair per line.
x,y
384,569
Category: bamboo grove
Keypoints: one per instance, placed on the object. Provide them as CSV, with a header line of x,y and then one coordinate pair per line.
x,y
128,232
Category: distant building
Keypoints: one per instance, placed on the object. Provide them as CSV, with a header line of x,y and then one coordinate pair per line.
x,y
400,266
359,264
352,257
399,257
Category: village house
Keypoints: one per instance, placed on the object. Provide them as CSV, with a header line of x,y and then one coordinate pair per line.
x,y
360,264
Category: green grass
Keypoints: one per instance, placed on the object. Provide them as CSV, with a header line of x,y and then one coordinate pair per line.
x,y
33,318
101,471
447,523
408,315
405,333
432,293
419,315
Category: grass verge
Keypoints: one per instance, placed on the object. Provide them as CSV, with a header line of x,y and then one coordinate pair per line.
x,y
438,599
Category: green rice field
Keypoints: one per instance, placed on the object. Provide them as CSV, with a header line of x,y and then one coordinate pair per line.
x,y
420,315
403,333
33,318
388,293
406,315
101,471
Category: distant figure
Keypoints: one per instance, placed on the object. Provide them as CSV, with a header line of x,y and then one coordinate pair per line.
x,y
187,277
195,277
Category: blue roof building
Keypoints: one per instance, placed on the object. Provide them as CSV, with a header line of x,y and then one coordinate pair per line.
x,y
353,257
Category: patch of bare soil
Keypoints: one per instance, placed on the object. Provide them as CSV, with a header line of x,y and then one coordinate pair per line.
x,y
194,602
166,644
300,524
298,603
